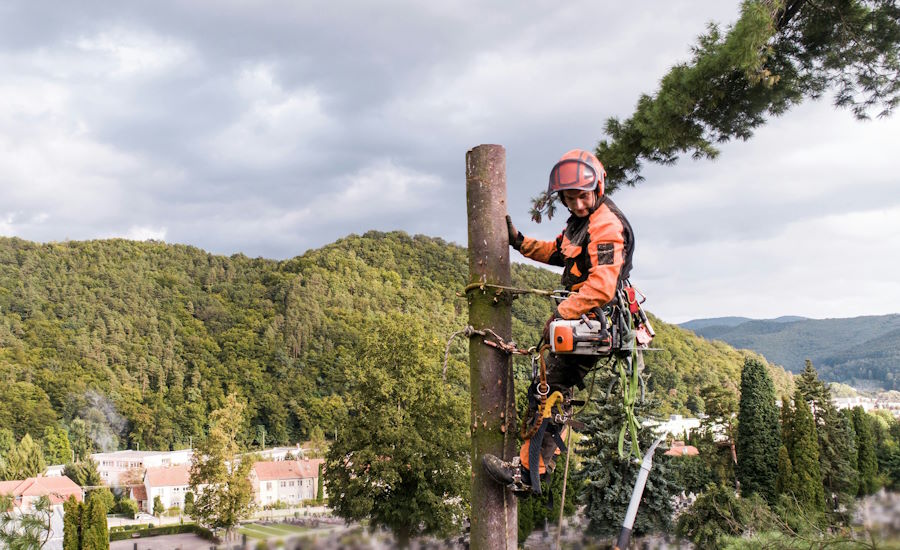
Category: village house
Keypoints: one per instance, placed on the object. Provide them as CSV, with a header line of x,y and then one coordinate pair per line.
x,y
26,492
169,483
288,481
113,466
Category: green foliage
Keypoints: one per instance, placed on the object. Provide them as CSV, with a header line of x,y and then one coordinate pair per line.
x,y
56,445
158,507
72,511
867,462
534,510
83,473
836,441
320,485
164,530
227,496
25,460
104,495
28,530
94,533
807,477
773,56
692,473
719,512
160,334
129,507
758,437
786,481
401,459
189,503
608,480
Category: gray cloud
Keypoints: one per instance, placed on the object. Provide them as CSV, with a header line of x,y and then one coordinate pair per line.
x,y
271,127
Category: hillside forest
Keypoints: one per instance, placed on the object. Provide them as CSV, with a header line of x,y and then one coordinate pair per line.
x,y
140,341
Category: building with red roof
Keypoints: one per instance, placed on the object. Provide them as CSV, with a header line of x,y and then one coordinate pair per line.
x,y
680,449
26,492
169,483
288,481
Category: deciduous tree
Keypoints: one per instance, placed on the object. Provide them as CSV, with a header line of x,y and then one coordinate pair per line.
x,y
401,460
218,476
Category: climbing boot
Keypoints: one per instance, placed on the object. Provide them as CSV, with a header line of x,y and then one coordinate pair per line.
x,y
506,473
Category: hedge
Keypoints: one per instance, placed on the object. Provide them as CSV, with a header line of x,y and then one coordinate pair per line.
x,y
164,530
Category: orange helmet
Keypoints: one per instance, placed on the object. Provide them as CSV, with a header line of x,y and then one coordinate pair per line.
x,y
577,169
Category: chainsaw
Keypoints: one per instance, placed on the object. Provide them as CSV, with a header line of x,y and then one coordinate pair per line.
x,y
597,334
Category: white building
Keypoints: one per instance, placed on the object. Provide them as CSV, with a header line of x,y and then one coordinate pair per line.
x,y
112,466
288,481
169,483
676,425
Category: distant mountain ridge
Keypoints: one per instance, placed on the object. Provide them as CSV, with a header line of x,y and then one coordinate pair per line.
x,y
861,351
697,324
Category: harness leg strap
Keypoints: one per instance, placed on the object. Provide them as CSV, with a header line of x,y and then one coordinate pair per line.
x,y
534,456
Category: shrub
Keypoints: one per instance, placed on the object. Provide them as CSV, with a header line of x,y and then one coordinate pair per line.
x,y
719,512
126,506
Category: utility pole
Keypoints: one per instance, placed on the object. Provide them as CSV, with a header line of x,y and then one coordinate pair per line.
x,y
493,420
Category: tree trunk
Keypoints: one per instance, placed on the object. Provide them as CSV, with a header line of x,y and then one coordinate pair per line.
x,y
493,518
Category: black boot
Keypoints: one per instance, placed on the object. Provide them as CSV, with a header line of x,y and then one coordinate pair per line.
x,y
506,473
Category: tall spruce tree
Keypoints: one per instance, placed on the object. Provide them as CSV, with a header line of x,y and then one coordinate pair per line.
x,y
608,480
836,442
807,487
867,462
758,437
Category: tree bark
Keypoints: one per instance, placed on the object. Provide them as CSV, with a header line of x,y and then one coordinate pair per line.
x,y
493,517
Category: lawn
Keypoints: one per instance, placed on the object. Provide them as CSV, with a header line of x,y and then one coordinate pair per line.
x,y
265,532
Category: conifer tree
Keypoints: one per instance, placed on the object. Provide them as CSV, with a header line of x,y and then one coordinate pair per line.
x,y
785,482
758,437
25,460
72,510
807,487
776,54
867,462
320,485
94,533
608,480
836,441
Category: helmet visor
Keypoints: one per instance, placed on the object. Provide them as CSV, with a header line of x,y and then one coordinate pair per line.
x,y
572,174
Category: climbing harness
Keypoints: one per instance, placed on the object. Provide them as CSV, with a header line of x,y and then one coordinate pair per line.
x,y
620,331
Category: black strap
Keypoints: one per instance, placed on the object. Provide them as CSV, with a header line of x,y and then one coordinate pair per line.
x,y
534,456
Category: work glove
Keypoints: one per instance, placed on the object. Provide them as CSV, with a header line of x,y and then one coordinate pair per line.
x,y
515,237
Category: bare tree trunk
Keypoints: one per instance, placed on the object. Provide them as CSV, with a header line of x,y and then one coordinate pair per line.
x,y
493,517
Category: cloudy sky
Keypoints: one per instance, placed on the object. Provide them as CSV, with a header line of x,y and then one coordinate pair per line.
x,y
269,128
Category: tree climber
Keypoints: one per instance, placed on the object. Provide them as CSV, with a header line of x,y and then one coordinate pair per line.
x,y
595,250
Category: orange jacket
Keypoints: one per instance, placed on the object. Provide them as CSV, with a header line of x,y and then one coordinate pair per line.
x,y
596,254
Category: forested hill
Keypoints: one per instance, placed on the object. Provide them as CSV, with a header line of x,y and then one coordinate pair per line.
x,y
861,351
143,339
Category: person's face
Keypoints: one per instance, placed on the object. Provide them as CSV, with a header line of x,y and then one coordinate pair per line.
x,y
579,202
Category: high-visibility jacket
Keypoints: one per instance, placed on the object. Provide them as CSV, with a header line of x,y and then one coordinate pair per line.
x,y
595,252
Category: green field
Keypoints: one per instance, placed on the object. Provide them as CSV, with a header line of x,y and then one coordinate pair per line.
x,y
266,532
